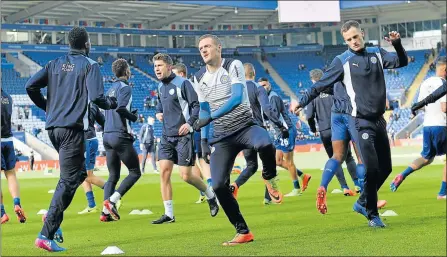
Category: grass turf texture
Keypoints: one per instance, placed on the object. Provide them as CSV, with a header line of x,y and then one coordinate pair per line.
x,y
292,228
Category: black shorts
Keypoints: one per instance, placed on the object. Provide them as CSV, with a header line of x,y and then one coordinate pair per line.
x,y
179,150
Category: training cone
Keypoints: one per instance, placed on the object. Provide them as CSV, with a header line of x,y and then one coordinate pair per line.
x,y
112,250
389,213
336,191
145,212
135,212
42,212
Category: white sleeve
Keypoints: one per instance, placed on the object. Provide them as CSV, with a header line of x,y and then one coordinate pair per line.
x,y
199,92
422,91
237,72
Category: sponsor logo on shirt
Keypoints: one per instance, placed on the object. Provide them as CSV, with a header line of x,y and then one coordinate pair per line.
x,y
68,67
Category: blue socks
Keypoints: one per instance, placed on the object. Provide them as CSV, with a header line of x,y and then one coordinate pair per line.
x,y
361,174
407,172
356,183
299,172
441,192
3,209
330,168
90,199
17,201
296,184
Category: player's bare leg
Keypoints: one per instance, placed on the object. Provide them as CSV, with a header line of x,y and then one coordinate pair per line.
x,y
196,181
286,161
87,186
166,167
417,164
196,170
14,189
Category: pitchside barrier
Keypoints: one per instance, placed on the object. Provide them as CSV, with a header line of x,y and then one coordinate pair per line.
x,y
310,156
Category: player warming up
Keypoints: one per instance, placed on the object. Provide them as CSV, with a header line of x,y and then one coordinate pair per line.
x,y
260,105
433,97
222,93
201,168
360,70
76,80
319,112
147,143
118,142
284,146
9,161
434,131
178,108
91,147
343,131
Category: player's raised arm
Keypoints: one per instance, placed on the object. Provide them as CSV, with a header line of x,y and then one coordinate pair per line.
x,y
34,86
397,60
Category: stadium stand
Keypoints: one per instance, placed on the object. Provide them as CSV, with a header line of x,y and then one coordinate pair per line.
x,y
286,64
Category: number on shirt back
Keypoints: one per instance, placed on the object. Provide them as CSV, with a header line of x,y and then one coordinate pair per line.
x,y
284,141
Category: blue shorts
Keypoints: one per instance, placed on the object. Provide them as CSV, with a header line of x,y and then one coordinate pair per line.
x,y
343,127
91,148
286,145
179,150
8,156
197,145
434,141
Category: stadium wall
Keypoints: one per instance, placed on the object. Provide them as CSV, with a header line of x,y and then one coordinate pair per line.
x,y
47,152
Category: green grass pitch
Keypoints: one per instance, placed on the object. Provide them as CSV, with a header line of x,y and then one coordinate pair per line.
x,y
292,228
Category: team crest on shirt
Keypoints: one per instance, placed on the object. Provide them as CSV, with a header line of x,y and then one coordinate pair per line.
x,y
374,59
172,91
365,136
225,79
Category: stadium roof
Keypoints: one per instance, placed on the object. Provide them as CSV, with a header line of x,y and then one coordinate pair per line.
x,y
157,14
